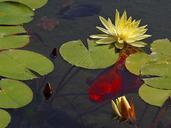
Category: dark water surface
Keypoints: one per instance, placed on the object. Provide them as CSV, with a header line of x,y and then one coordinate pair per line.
x,y
70,20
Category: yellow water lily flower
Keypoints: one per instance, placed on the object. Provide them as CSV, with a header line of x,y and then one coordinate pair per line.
x,y
123,109
125,30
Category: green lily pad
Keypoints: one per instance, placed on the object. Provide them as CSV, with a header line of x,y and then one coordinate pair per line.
x,y
161,51
5,118
159,82
14,13
23,64
31,3
14,94
10,38
95,57
135,61
156,69
141,63
161,46
154,96
162,70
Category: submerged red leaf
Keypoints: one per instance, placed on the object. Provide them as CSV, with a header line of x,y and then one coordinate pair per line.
x,y
106,86
116,81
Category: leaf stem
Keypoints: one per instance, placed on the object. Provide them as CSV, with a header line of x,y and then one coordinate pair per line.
x,y
61,84
160,113
143,114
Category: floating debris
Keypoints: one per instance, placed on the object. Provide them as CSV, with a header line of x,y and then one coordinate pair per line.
x,y
47,91
54,53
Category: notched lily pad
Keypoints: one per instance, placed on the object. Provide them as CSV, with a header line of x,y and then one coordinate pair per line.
x,y
154,96
23,64
10,37
14,13
14,94
95,57
30,3
4,118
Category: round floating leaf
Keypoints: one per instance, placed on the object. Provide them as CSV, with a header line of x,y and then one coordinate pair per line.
x,y
95,57
14,94
135,61
159,82
14,13
10,38
154,96
156,69
11,30
4,118
161,51
31,3
23,64
162,70
162,46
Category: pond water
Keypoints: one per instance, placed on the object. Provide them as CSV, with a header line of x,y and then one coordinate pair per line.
x,y
53,25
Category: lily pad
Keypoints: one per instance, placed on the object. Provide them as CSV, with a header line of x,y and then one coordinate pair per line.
x,y
135,61
159,82
93,57
4,118
156,69
154,96
14,13
161,46
14,94
23,64
31,3
161,51
10,38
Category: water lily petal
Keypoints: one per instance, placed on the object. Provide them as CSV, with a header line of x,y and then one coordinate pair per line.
x,y
115,108
107,40
138,44
125,101
137,23
99,36
142,37
104,22
118,103
111,29
103,30
124,108
117,17
119,45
